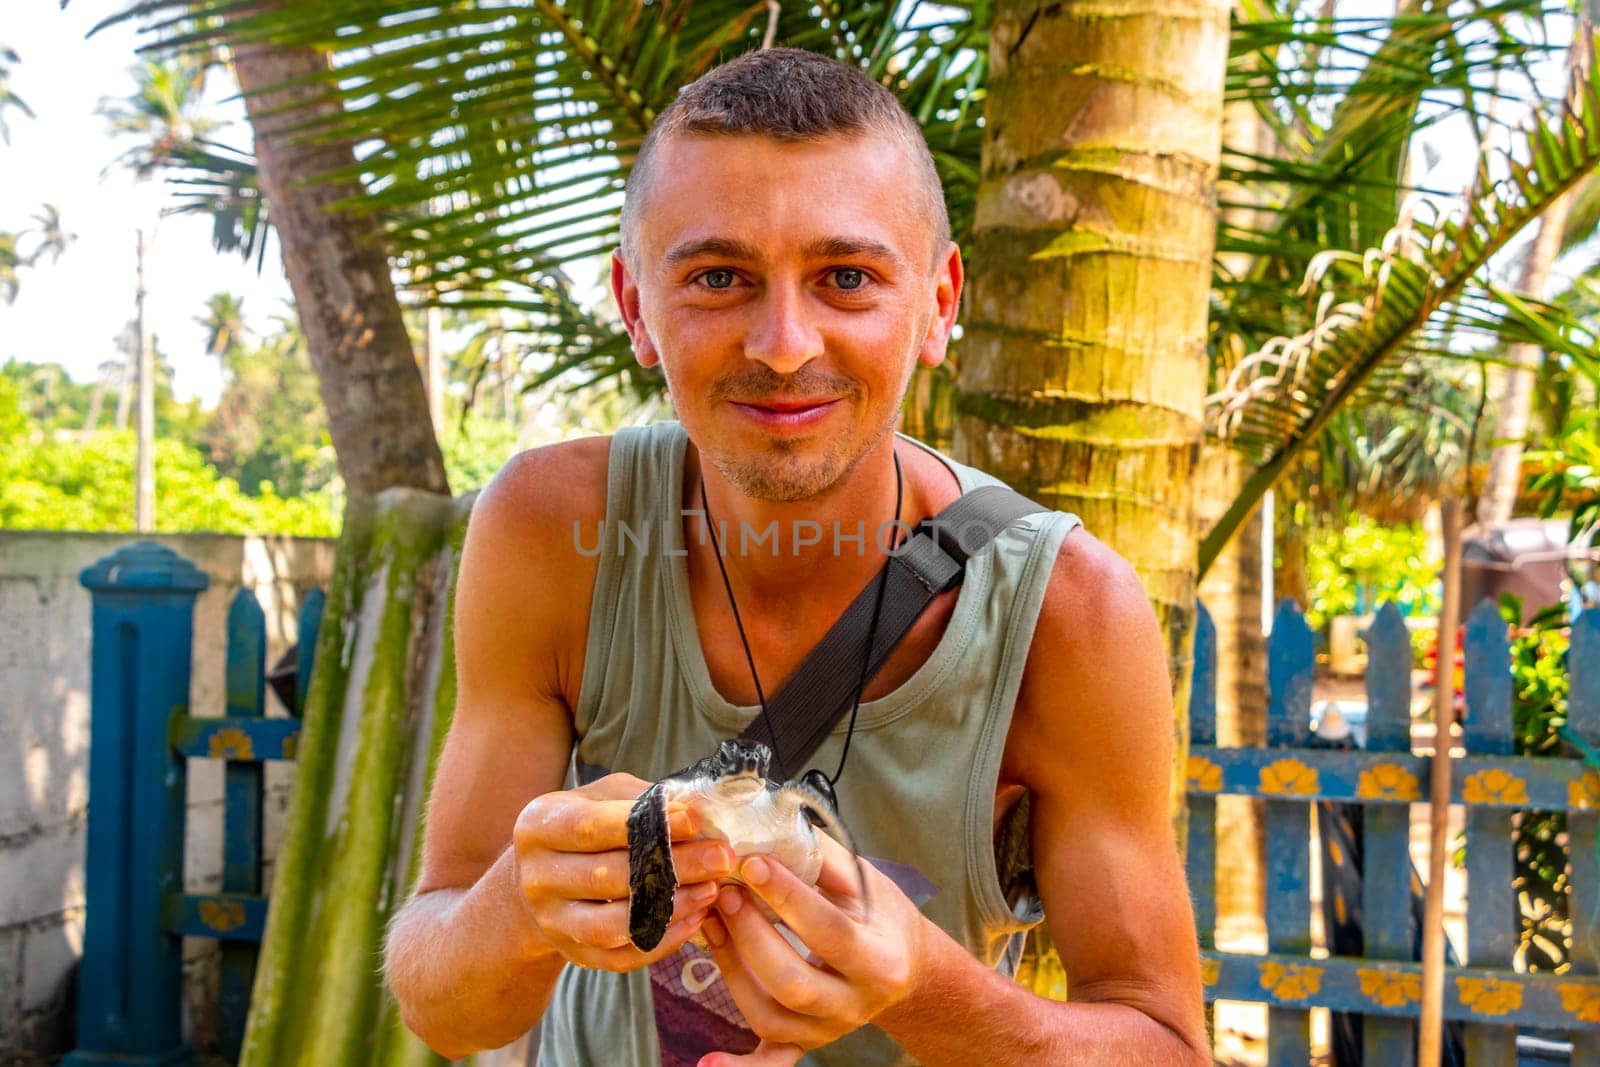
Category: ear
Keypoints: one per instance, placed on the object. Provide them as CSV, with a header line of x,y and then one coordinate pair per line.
x,y
626,291
947,282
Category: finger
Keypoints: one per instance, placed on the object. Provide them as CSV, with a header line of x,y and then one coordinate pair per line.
x,y
841,876
605,925
816,920
684,821
605,875
630,958
775,963
767,1054
764,1014
618,786
573,824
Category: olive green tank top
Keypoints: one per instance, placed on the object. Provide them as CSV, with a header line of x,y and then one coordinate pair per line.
x,y
918,793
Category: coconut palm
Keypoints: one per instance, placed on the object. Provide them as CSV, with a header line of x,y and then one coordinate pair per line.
x,y
165,115
8,96
224,323
26,247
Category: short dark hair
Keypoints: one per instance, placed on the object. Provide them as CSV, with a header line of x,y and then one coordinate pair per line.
x,y
792,95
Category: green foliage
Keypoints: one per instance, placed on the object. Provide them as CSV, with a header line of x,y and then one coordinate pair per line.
x,y
474,449
1540,684
46,394
1572,474
86,483
1360,565
270,431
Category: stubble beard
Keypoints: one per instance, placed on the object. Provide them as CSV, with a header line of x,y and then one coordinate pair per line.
x,y
786,475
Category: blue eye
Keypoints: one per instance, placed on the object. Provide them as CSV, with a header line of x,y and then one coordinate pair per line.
x,y
860,277
719,271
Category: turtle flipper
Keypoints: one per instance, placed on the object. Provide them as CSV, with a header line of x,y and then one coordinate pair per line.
x,y
652,880
813,794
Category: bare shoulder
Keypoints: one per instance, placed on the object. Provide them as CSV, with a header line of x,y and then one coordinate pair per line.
x,y
522,576
1096,692
520,615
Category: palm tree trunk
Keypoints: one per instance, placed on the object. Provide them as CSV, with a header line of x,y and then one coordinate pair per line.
x,y
339,271
130,373
1504,479
1083,368
1515,400
1232,592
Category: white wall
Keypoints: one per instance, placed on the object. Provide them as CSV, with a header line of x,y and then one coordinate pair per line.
x,y
44,745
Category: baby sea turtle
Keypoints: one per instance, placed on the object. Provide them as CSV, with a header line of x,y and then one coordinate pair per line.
x,y
737,803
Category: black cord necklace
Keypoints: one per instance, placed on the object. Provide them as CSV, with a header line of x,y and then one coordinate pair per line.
x,y
872,631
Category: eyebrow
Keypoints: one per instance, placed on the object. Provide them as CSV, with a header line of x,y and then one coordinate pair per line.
x,y
822,248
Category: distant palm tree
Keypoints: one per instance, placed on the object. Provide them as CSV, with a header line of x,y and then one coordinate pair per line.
x,y
24,248
8,98
164,114
224,323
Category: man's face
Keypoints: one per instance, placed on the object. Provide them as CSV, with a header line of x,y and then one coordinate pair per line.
x,y
788,290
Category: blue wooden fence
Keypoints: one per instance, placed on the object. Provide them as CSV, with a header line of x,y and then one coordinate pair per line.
x,y
137,910
1384,985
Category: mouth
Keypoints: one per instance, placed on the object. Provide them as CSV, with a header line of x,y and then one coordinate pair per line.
x,y
782,414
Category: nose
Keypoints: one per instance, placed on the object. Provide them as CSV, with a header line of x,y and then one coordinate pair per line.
x,y
784,337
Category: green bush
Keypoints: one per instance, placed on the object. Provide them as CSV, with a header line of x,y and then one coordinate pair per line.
x,y
86,483
1388,562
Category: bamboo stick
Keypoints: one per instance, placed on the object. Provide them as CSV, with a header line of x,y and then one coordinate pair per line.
x,y
1431,1027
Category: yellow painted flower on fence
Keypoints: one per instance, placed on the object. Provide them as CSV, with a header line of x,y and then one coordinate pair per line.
x,y
1581,1000
1494,786
1391,989
231,743
1387,781
291,746
1585,792
222,915
1291,981
1289,777
1204,776
1490,996
1210,971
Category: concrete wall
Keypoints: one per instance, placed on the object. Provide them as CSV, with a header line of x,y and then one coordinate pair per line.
x,y
44,746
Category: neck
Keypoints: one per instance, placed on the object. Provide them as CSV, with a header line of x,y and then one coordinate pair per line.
x,y
824,547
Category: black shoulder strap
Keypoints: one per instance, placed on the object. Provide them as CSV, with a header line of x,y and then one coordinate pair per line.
x,y
933,560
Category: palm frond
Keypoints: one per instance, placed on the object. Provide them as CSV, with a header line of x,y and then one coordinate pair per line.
x,y
1345,115
496,135
1373,305
222,183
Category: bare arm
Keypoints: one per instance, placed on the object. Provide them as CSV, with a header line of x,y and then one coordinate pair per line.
x,y
519,877
1092,739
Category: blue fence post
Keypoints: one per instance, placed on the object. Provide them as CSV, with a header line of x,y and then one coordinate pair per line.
x,y
1202,843
1583,828
310,622
1200,855
241,820
142,624
1491,900
1386,829
1290,666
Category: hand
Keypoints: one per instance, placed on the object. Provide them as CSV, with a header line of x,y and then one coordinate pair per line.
x,y
571,853
862,960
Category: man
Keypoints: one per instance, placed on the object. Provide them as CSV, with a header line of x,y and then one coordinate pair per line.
x,y
786,260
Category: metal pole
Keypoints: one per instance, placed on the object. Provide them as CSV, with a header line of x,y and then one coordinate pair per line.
x,y
433,367
1428,1039
144,500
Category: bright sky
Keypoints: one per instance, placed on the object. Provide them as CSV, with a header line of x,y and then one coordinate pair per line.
x,y
71,311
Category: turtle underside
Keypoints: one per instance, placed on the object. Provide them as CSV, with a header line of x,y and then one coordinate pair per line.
x,y
737,803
